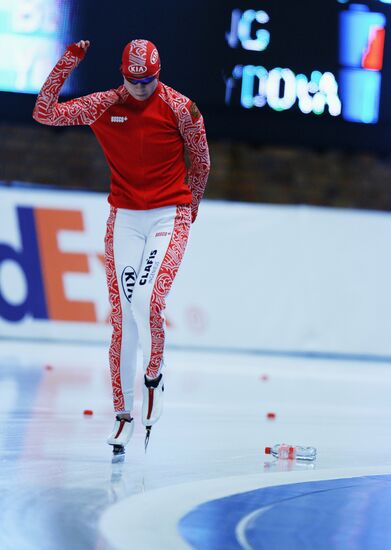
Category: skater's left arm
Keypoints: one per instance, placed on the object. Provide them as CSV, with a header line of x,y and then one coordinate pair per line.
x,y
193,133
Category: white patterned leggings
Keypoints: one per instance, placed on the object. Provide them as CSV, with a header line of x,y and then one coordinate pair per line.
x,y
143,251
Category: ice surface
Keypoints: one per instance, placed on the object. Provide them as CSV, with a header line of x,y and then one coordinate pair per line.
x,y
56,476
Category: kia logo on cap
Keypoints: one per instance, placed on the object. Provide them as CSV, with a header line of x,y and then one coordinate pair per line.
x,y
154,56
137,69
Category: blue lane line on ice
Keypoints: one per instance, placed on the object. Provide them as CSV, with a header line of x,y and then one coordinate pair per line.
x,y
321,355
316,355
333,514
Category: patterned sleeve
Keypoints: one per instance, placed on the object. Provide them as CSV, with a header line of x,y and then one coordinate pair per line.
x,y
192,130
81,111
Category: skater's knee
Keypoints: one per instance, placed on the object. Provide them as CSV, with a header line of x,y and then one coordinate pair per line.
x,y
145,308
140,307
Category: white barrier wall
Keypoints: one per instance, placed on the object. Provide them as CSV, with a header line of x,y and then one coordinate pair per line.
x,y
280,278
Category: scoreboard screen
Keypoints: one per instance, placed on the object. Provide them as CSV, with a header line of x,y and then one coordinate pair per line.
x,y
348,84
305,72
289,64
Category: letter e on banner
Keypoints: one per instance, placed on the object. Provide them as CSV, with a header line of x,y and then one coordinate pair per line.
x,y
56,263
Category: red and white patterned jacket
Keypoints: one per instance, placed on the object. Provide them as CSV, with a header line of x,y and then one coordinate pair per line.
x,y
143,141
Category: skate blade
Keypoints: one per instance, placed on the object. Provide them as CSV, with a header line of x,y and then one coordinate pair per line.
x,y
118,458
147,436
118,454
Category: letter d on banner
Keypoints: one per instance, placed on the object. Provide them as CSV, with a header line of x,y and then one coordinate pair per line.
x,y
28,260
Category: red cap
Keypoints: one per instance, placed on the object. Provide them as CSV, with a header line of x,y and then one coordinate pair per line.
x,y
140,59
267,450
88,412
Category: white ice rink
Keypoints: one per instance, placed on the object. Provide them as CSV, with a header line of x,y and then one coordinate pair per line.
x,y
59,489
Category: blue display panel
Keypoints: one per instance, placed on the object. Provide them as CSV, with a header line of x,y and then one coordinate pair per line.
x,y
33,35
362,38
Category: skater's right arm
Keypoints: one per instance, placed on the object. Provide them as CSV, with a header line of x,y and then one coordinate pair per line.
x,y
81,111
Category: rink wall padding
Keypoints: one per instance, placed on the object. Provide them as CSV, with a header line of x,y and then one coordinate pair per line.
x,y
289,279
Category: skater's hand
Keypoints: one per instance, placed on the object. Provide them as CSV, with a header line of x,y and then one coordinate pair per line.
x,y
84,45
79,49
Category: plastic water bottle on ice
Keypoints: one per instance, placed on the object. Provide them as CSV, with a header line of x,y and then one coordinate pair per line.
x,y
291,452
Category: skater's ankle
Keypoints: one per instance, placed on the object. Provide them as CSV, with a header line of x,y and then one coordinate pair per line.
x,y
153,378
152,382
124,416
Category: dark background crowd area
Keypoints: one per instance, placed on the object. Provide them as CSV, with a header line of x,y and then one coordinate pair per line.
x,y
72,158
257,154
